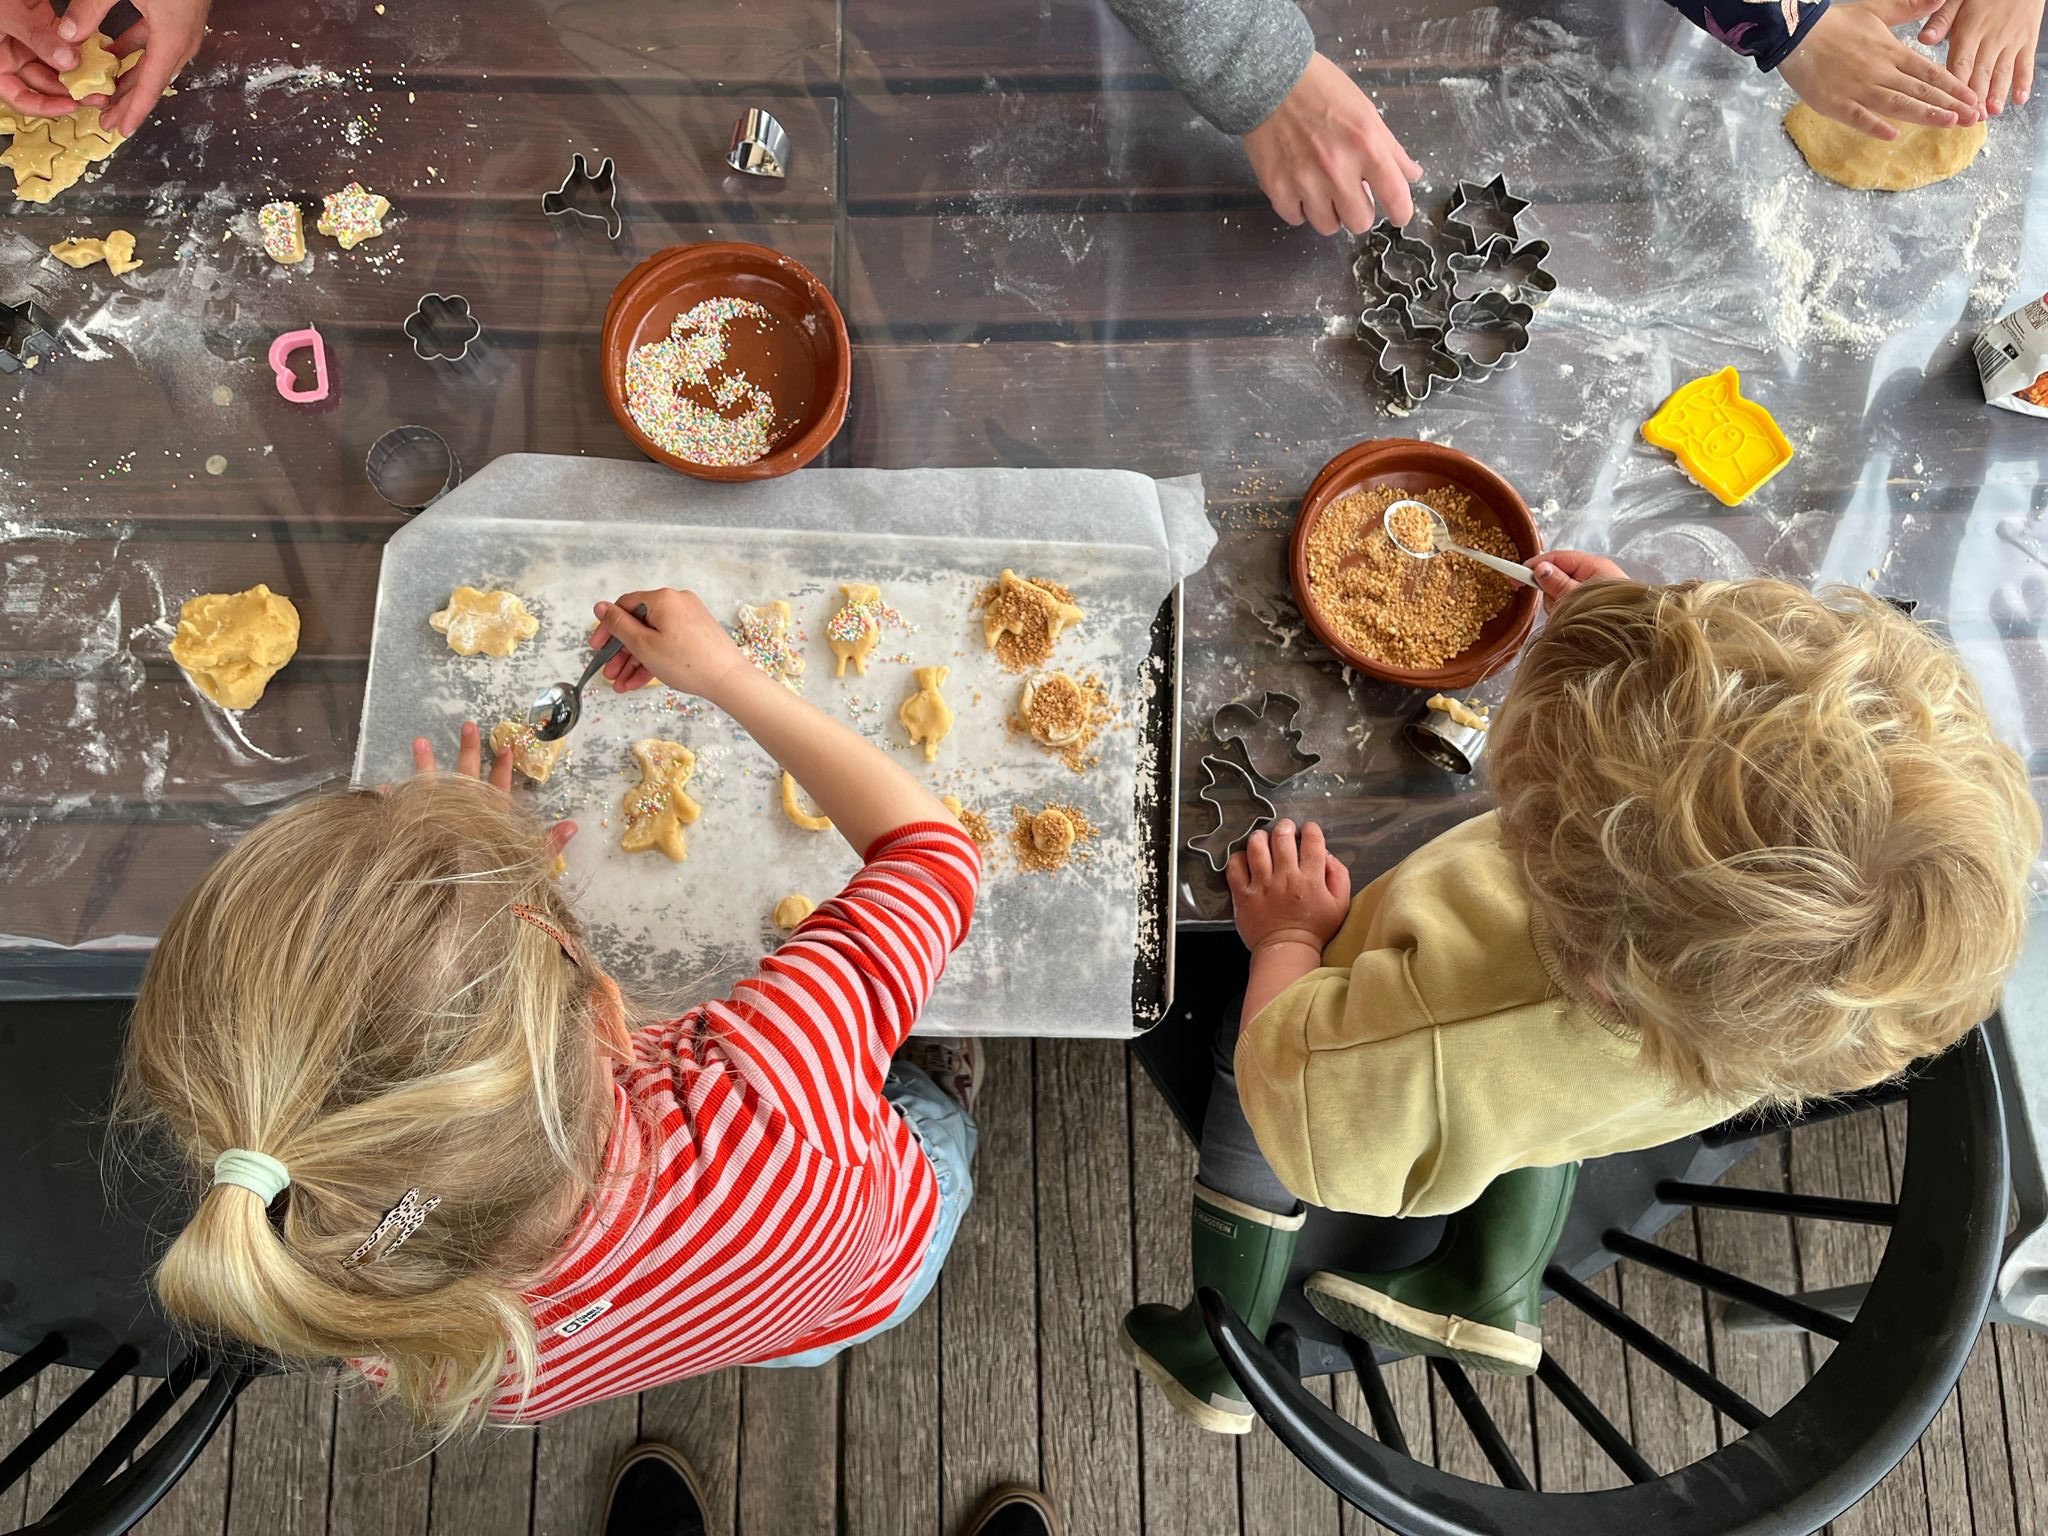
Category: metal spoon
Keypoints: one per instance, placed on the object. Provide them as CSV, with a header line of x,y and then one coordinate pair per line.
x,y
554,710
1441,541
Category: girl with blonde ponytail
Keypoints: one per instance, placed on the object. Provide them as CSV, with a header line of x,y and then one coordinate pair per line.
x,y
439,1149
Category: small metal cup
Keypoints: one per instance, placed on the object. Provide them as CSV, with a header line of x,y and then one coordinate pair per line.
x,y
1451,746
760,146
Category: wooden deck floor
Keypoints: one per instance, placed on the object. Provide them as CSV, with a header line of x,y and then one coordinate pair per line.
x,y
1012,1373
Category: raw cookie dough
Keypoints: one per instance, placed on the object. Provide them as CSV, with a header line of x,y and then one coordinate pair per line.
x,y
925,715
1054,709
353,215
491,622
1031,614
1918,157
793,809
656,808
232,643
530,755
856,629
117,251
766,634
284,232
96,70
793,909
49,154
1052,833
1472,717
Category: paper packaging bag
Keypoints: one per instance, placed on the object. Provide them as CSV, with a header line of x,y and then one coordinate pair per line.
x,y
2012,359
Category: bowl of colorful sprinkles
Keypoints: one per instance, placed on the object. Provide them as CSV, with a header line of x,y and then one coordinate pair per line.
x,y
1440,623
726,361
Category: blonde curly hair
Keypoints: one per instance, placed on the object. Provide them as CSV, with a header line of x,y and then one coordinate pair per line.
x,y
1774,828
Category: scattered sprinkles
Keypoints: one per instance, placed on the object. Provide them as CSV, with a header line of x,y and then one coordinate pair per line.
x,y
660,376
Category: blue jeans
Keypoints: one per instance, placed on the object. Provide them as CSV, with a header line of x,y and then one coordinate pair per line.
x,y
948,1137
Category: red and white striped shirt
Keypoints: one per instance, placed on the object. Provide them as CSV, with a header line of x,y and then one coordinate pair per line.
x,y
761,1196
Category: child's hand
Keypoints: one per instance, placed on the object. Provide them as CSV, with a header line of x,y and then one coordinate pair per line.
x,y
1320,150
1851,68
1559,571
681,644
1286,892
469,760
1990,45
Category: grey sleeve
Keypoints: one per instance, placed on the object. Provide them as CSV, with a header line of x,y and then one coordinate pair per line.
x,y
1234,60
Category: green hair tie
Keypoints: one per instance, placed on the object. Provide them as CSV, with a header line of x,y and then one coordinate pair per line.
x,y
257,1172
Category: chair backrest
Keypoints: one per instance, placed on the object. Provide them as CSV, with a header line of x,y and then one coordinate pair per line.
x,y
1794,1470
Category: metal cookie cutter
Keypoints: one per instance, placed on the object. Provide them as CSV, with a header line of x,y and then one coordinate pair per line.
x,y
1479,213
760,145
27,335
1408,352
1396,262
1231,791
580,185
406,462
1501,266
1448,743
1280,755
442,328
1488,333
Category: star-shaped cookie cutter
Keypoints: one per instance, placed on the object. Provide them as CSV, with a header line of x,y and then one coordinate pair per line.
x,y
1230,790
1501,266
27,335
1271,720
441,328
1487,333
1408,352
581,185
1481,212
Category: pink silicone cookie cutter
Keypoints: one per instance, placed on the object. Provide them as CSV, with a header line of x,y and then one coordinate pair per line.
x,y
281,351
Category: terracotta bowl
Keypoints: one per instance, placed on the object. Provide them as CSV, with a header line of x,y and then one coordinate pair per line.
x,y
809,372
1414,467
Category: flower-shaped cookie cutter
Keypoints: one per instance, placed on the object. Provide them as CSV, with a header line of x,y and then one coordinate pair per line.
x,y
27,335
1408,352
1480,212
1265,732
580,186
441,328
1488,333
1501,266
1232,791
1395,262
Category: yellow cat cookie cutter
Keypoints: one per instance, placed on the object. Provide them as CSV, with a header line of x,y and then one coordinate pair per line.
x,y
1727,444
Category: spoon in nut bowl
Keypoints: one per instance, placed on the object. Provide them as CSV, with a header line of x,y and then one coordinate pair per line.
x,y
1419,529
554,710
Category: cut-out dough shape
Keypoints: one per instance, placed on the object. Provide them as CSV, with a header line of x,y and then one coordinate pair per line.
x,y
96,70
1058,614
656,808
530,755
856,629
1052,832
767,634
1918,157
284,232
1727,444
925,715
491,622
1054,709
117,251
232,643
794,810
792,910
353,215
50,154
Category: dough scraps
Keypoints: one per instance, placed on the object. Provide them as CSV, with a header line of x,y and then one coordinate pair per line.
x,y
491,622
856,629
353,215
766,635
231,644
656,808
792,910
1918,157
96,70
925,715
117,251
1046,840
284,232
971,821
530,755
50,154
1022,619
793,809
1063,715
1473,717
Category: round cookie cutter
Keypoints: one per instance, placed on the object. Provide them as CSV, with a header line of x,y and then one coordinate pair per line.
x,y
1452,746
403,463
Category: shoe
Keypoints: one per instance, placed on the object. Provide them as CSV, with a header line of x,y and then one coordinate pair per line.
x,y
1478,1299
1014,1510
1243,1252
953,1063
653,1492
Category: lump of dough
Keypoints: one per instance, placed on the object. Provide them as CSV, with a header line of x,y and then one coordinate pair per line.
x,y
1054,709
793,809
656,809
925,715
856,629
231,644
491,622
1052,832
792,910
1918,157
530,755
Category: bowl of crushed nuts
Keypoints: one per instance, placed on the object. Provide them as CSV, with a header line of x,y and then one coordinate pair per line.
x,y
1435,623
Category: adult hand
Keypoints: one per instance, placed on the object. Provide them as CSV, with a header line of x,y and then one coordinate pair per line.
x,y
1991,46
31,54
1851,68
1288,890
171,31
1325,157
679,643
1559,571
469,761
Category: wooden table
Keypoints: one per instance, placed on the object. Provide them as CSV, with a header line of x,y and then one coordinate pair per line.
x,y
1043,257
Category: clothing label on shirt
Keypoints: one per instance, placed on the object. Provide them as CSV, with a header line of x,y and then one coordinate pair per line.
x,y
570,1326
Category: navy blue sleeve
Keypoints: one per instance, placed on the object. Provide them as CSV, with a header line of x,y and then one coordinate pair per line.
x,y
1765,30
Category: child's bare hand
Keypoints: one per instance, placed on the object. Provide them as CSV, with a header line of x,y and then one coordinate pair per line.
x,y
1851,68
1326,157
469,761
1991,46
1288,890
1559,571
680,643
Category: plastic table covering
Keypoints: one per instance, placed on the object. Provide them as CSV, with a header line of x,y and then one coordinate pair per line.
x,y
1044,257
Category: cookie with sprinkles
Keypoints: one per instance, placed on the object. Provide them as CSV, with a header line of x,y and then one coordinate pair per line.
x,y
856,628
284,232
353,215
765,633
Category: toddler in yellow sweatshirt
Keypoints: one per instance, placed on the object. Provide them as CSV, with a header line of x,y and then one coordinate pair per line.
x,y
1753,845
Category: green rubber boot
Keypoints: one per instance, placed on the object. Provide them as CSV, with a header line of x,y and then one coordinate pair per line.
x,y
1242,1252
1478,1299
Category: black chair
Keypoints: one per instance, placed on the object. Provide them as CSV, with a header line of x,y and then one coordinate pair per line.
x,y
1791,1471
73,1276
